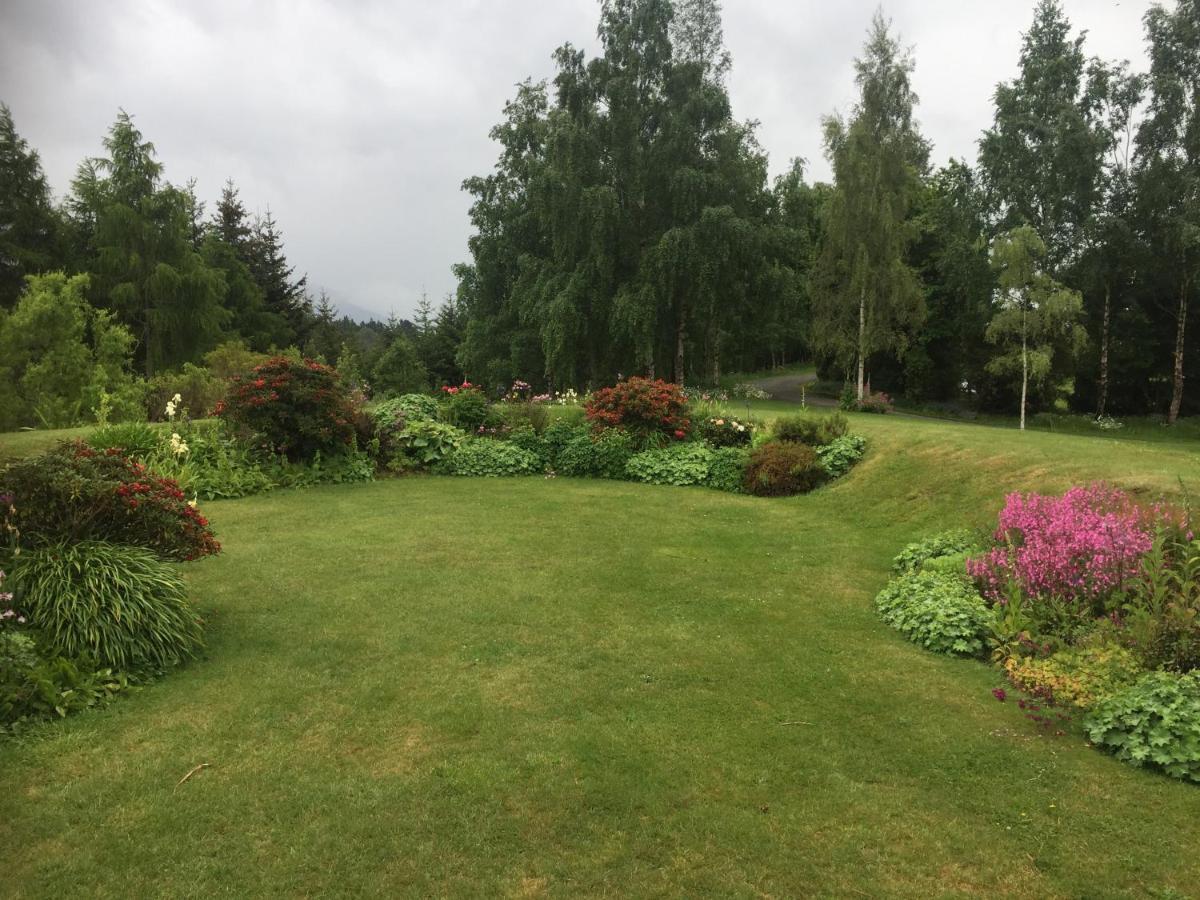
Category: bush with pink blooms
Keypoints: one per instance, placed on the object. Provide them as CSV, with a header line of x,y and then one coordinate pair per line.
x,y
1081,546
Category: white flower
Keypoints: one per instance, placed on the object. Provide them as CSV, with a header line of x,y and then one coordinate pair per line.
x,y
192,503
178,445
178,398
170,409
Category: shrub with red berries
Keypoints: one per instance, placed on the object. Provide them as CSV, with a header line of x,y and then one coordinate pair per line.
x,y
74,493
294,407
641,406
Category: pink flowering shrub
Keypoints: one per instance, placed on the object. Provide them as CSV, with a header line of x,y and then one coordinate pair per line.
x,y
1078,547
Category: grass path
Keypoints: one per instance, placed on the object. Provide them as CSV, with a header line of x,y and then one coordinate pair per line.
x,y
530,687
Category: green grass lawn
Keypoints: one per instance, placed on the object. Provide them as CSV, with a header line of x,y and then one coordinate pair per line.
x,y
550,687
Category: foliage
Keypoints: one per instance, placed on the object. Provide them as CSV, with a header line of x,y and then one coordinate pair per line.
x,y
34,685
525,437
808,429
424,442
465,406
293,407
136,439
405,407
946,543
782,468
1155,722
642,406
678,464
118,605
942,613
74,493
29,226
841,454
198,389
1079,547
59,355
587,455
399,369
208,462
491,459
727,469
524,414
722,431
1078,677
874,402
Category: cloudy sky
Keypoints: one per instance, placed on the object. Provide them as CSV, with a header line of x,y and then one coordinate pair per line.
x,y
356,122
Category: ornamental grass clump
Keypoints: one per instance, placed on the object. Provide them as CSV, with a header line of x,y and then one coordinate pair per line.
x,y
1081,546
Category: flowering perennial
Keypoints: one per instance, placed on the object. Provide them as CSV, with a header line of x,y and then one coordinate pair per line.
x,y
1080,546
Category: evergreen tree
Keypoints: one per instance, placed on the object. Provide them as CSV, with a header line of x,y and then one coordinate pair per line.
x,y
29,225
145,265
284,294
870,299
231,222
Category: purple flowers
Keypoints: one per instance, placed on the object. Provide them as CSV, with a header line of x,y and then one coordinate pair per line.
x,y
1080,546
999,694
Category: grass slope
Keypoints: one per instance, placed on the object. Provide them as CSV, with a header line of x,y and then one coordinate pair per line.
x,y
439,687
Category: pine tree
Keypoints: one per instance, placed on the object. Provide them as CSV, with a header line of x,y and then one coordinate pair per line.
x,y
29,225
284,294
231,222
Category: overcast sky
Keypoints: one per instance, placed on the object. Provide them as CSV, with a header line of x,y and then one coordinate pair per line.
x,y
356,122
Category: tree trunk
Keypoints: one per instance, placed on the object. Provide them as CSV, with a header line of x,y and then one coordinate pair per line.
x,y
1102,400
862,339
1180,325
680,334
1024,375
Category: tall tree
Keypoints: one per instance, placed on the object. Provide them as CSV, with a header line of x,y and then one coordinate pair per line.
x,y
870,299
1042,159
145,265
29,224
1168,166
1035,315
284,293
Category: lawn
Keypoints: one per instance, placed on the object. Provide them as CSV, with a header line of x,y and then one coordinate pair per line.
x,y
527,687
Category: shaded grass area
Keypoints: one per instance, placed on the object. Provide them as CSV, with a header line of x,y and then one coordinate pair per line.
x,y
19,444
528,687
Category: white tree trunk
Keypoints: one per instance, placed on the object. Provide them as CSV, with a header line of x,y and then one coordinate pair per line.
x,y
862,340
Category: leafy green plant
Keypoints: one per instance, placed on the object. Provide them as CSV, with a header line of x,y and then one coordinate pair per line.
x,y
464,406
118,605
942,613
137,439
587,455
524,414
35,686
724,431
946,543
404,408
424,442
782,468
810,429
841,454
727,469
1154,722
490,458
678,464
531,441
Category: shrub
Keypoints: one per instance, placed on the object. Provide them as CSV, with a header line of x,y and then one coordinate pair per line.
x,y
526,414
603,455
208,463
464,406
529,440
1077,677
74,493
197,387
118,605
947,543
1175,641
727,469
679,464
721,431
490,459
642,406
943,613
424,442
812,430
782,468
404,408
1079,547
1154,722
132,438
841,454
875,402
297,408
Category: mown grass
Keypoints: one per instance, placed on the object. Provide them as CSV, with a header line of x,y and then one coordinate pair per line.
x,y
549,687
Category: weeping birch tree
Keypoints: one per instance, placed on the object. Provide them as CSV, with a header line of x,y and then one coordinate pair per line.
x,y
870,300
1035,315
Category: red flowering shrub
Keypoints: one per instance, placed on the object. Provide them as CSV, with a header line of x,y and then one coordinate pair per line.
x,y
294,407
641,406
74,493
